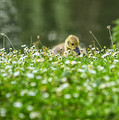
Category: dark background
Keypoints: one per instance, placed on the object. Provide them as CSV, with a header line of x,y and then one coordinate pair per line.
x,y
54,20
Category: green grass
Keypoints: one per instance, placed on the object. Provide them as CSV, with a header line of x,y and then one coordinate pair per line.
x,y
38,85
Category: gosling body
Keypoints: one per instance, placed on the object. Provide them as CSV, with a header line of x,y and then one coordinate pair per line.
x,y
59,49
71,43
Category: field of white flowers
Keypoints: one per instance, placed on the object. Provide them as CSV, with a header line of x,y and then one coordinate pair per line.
x,y
35,84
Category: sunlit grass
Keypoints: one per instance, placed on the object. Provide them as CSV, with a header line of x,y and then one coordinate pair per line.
x,y
37,85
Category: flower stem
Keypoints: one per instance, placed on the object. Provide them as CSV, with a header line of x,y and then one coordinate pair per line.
x,y
95,39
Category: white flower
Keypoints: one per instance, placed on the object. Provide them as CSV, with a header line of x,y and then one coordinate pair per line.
x,y
33,84
10,71
61,87
21,115
67,96
91,63
2,34
105,55
14,62
81,70
110,50
53,68
17,104
44,70
8,67
106,78
84,66
115,89
83,75
100,68
50,59
31,93
34,115
67,62
42,60
85,84
23,45
102,86
34,71
64,79
79,62
16,73
13,82
89,112
30,75
111,84
92,71
73,63
29,108
31,68
115,53
44,81
93,48
115,61
60,58
65,85
106,93
8,95
112,66
81,55
50,79
90,94
23,92
38,77
94,84
10,48
45,95
67,69
4,74
76,95
36,54
54,63
58,89
89,87
105,60
3,112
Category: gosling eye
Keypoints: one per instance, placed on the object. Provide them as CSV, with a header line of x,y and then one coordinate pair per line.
x,y
72,43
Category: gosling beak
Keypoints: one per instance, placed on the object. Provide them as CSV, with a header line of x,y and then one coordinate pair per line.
x,y
77,50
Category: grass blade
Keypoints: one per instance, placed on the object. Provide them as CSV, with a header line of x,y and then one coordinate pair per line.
x,y
95,39
8,40
109,29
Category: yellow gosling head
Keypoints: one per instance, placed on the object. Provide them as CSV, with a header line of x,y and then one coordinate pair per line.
x,y
72,43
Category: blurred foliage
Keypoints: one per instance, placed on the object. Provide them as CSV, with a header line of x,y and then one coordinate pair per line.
x,y
8,20
116,32
54,20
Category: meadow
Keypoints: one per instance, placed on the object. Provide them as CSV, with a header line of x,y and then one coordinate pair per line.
x,y
35,84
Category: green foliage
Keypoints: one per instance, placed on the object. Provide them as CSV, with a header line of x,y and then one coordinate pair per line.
x,y
116,32
38,85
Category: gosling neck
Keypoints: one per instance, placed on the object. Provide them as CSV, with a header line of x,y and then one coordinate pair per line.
x,y
66,45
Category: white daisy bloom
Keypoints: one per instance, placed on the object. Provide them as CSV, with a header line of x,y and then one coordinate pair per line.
x,y
67,96
45,95
34,115
30,75
16,73
17,104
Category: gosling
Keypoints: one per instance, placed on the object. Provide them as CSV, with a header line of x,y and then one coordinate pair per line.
x,y
71,44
